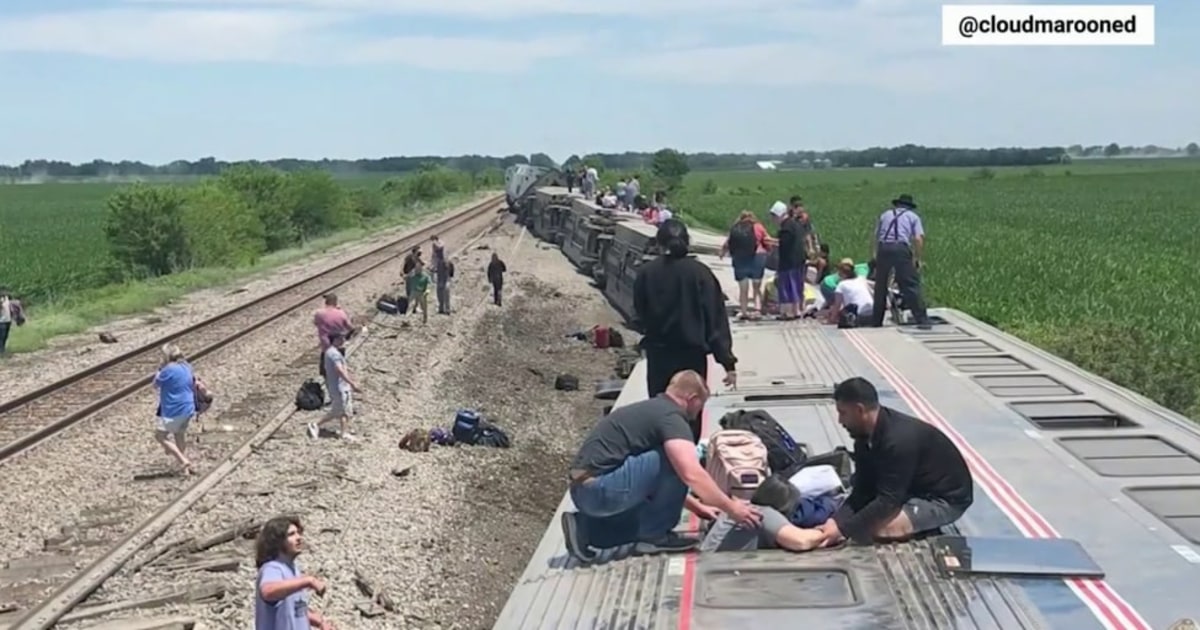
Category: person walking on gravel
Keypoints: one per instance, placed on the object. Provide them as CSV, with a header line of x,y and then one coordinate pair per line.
x,y
341,389
176,384
418,291
329,320
495,275
281,590
10,314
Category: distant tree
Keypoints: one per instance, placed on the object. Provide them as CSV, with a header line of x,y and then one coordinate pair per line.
x,y
145,229
1112,150
670,166
1192,149
543,160
1075,149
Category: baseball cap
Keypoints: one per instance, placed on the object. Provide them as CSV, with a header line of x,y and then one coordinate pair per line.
x,y
779,209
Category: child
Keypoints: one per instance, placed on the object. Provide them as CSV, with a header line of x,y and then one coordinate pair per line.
x,y
418,291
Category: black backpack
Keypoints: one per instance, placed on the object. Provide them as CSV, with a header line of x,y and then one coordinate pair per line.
x,y
311,396
783,452
742,241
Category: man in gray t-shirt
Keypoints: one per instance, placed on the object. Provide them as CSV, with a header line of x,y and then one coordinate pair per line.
x,y
631,476
340,387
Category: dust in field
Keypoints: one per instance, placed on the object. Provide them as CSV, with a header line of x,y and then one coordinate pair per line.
x,y
507,499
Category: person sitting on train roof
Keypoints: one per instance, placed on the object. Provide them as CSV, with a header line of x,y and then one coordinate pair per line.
x,y
630,478
852,294
910,478
679,308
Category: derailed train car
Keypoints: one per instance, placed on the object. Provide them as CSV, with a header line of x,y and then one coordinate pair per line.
x,y
521,183
587,233
550,207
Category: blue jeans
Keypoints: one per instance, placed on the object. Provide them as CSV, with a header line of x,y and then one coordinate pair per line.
x,y
645,488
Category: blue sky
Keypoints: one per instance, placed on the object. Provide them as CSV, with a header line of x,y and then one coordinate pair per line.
x,y
157,80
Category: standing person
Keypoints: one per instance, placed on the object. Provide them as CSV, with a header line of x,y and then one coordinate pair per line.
x,y
680,309
176,385
632,190
340,387
410,262
899,245
747,247
418,291
10,313
797,210
495,275
639,461
443,270
330,319
281,591
789,276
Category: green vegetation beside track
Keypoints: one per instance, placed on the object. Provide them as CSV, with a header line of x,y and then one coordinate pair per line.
x,y
81,254
1087,261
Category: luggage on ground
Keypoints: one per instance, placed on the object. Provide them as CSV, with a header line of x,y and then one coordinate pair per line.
x,y
311,396
566,383
737,462
392,304
783,452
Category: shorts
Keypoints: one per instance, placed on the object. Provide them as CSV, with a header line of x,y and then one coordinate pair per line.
x,y
791,286
172,425
927,515
750,267
726,535
341,402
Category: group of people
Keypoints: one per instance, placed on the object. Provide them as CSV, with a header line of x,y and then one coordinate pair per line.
x,y
848,290
639,466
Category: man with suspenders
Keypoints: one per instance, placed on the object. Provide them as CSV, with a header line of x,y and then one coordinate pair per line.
x,y
899,245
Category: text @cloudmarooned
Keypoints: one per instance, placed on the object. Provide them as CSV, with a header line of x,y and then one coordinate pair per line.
x,y
970,25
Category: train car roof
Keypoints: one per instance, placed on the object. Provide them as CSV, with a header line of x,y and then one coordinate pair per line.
x,y
1055,452
555,191
703,241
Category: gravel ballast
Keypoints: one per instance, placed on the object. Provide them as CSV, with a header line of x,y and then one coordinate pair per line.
x,y
447,538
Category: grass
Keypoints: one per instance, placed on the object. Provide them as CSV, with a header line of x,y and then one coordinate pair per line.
x,y
1087,260
40,258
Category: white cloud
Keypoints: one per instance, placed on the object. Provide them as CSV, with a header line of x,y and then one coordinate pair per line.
x,y
261,35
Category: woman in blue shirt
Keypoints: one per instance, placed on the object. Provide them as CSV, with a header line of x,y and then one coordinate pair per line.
x,y
176,384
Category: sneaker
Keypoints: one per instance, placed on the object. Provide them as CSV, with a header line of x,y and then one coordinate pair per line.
x,y
671,543
349,437
574,539
313,430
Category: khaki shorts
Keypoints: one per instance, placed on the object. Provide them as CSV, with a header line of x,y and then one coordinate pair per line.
x,y
341,403
172,425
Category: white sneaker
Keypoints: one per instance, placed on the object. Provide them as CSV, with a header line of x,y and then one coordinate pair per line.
x,y
349,437
313,430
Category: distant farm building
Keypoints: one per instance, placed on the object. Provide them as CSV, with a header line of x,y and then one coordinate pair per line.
x,y
768,165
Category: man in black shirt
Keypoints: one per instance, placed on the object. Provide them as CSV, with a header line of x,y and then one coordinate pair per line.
x,y
631,476
909,477
791,272
680,310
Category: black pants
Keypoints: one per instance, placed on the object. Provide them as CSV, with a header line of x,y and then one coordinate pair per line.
x,y
497,287
897,257
662,364
321,365
4,328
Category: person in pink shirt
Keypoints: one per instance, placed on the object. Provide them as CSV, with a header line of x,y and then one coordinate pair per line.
x,y
330,320
747,246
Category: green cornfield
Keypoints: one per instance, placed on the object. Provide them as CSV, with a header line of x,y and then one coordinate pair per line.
x,y
51,238
1088,262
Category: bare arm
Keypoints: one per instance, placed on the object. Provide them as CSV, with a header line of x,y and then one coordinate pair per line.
x,y
919,248
345,375
835,309
683,458
280,589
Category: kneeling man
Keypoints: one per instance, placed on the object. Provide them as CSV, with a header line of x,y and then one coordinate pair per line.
x,y
631,477
909,477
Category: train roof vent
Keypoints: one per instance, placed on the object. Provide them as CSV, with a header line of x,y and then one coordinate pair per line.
x,y
934,333
783,395
1132,456
1024,385
778,587
988,363
1059,415
1176,506
959,346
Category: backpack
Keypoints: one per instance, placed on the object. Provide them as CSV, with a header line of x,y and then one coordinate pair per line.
x,y
783,452
202,395
742,241
737,462
311,396
566,383
466,424
392,305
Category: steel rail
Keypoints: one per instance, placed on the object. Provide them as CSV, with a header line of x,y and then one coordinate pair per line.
x,y
49,410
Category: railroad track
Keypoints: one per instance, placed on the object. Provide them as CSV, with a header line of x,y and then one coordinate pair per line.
x,y
112,532
29,419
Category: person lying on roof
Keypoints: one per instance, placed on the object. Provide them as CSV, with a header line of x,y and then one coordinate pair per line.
x,y
910,478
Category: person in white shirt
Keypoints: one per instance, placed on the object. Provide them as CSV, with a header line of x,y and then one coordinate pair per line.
x,y
853,293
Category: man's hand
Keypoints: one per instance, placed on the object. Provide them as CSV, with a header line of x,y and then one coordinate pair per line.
x,y
833,534
745,514
706,512
317,585
731,379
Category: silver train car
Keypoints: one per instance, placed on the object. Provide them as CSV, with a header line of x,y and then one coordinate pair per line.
x,y
1087,495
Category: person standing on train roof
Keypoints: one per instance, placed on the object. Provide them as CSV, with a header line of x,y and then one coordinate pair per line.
x,y
630,479
910,478
632,190
790,272
747,248
679,306
898,243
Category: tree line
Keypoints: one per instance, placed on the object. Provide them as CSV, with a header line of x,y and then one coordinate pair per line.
x,y
906,155
246,211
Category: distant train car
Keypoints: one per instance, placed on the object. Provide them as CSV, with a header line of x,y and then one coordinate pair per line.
x,y
586,235
628,250
521,182
550,207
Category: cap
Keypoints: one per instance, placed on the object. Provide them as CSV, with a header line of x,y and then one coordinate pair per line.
x,y
779,209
